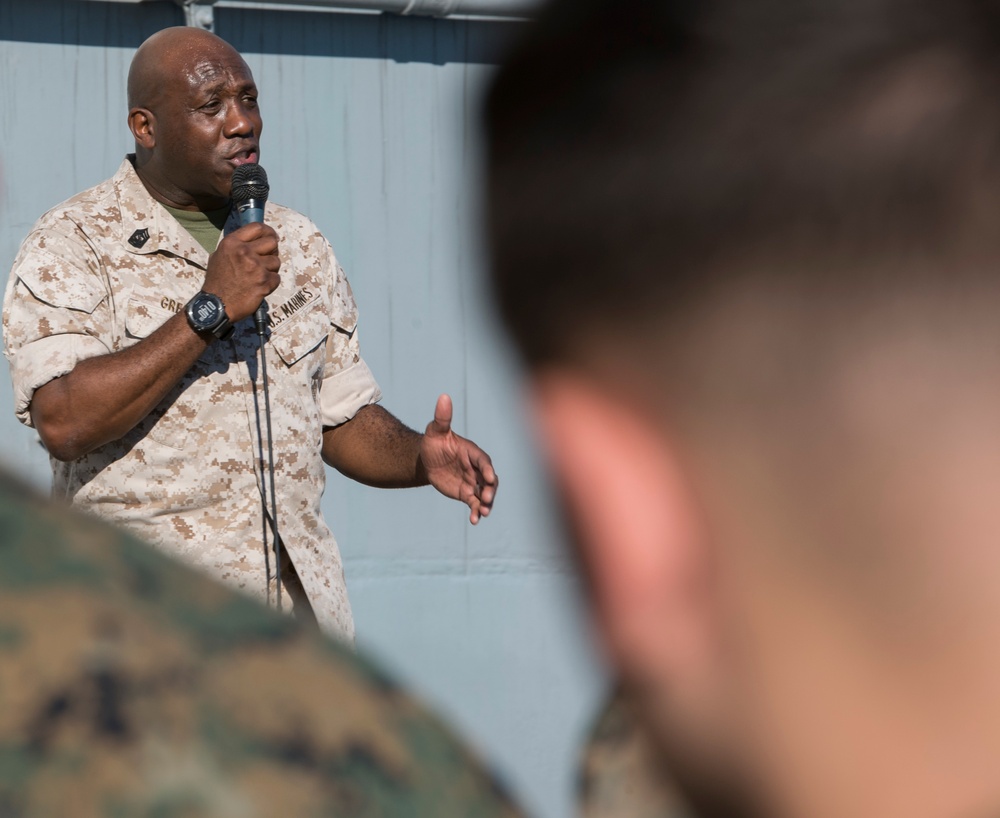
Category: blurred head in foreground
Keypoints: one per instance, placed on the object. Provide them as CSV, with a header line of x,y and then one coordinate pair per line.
x,y
749,253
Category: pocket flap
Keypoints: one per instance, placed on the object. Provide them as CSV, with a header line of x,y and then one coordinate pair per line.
x,y
52,280
300,334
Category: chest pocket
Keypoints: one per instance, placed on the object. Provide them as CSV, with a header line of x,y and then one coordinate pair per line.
x,y
297,368
144,316
304,332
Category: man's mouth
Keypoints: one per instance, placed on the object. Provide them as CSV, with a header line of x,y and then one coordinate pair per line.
x,y
246,157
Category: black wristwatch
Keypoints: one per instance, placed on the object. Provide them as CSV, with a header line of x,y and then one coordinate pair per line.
x,y
206,313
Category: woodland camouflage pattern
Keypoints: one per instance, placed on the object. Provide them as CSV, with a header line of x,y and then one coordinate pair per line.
x,y
103,271
131,686
620,776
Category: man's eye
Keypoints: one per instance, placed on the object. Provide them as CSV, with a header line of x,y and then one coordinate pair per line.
x,y
211,106
250,102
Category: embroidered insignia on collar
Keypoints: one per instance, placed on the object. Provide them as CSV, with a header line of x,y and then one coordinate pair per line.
x,y
139,238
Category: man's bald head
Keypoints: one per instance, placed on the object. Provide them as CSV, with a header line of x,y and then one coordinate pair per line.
x,y
166,56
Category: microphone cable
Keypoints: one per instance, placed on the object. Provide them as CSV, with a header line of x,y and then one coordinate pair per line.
x,y
249,195
260,320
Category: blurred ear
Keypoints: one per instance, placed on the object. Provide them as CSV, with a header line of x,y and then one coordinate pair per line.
x,y
636,522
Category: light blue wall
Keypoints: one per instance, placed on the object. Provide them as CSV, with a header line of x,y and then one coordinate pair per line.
x,y
370,128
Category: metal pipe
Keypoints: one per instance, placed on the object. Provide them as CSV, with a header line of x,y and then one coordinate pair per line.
x,y
430,8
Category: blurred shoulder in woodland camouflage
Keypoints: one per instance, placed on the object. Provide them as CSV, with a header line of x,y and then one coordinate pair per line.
x,y
620,773
131,686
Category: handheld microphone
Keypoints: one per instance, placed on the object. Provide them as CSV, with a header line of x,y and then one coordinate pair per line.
x,y
249,195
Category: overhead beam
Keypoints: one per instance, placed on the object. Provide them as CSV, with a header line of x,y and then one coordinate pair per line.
x,y
200,12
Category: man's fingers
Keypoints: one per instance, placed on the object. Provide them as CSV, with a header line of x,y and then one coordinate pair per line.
x,y
249,232
272,263
264,246
484,482
484,493
482,465
486,498
257,236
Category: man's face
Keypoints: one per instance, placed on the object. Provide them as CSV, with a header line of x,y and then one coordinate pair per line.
x,y
206,124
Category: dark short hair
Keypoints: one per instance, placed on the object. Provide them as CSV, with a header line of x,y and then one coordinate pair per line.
x,y
643,153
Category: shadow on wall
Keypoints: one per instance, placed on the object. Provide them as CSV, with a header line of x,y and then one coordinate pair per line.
x,y
255,31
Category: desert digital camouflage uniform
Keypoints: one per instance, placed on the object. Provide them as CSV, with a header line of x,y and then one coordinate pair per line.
x,y
131,686
103,271
620,776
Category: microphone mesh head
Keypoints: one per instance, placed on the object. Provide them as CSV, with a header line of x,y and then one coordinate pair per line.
x,y
249,182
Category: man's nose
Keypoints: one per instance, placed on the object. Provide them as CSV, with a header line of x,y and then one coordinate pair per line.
x,y
239,122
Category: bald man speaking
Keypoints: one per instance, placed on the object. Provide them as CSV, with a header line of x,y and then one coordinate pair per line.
x,y
154,420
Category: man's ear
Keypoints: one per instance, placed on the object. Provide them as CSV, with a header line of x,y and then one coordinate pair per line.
x,y
636,521
142,123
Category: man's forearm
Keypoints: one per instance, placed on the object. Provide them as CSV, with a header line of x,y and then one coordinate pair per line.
x,y
103,398
375,448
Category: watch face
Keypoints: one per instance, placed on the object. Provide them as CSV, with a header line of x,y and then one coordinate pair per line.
x,y
206,311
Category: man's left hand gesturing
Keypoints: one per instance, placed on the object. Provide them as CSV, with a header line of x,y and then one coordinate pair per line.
x,y
457,467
